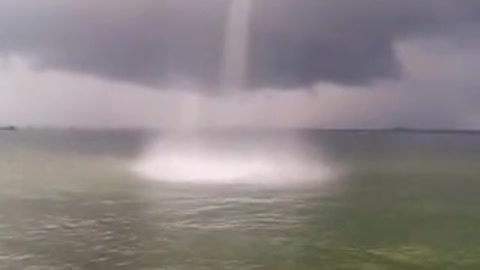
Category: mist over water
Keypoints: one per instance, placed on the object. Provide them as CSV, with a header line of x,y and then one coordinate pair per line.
x,y
210,161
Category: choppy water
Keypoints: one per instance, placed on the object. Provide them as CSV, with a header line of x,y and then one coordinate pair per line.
x,y
69,200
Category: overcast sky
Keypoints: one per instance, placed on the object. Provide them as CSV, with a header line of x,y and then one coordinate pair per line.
x,y
313,63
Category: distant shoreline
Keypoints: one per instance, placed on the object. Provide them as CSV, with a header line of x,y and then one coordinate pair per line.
x,y
261,129
8,128
402,130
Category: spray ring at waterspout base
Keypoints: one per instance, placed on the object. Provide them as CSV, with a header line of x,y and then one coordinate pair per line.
x,y
188,162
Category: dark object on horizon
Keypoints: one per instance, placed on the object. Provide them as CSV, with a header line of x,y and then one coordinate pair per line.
x,y
8,128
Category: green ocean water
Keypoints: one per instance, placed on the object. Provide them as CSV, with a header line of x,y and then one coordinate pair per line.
x,y
68,200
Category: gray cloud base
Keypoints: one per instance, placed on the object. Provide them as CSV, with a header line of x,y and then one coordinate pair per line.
x,y
294,42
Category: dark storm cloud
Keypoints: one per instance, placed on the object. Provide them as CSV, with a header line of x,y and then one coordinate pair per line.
x,y
294,42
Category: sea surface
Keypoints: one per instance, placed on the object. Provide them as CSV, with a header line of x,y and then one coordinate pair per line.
x,y
70,200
